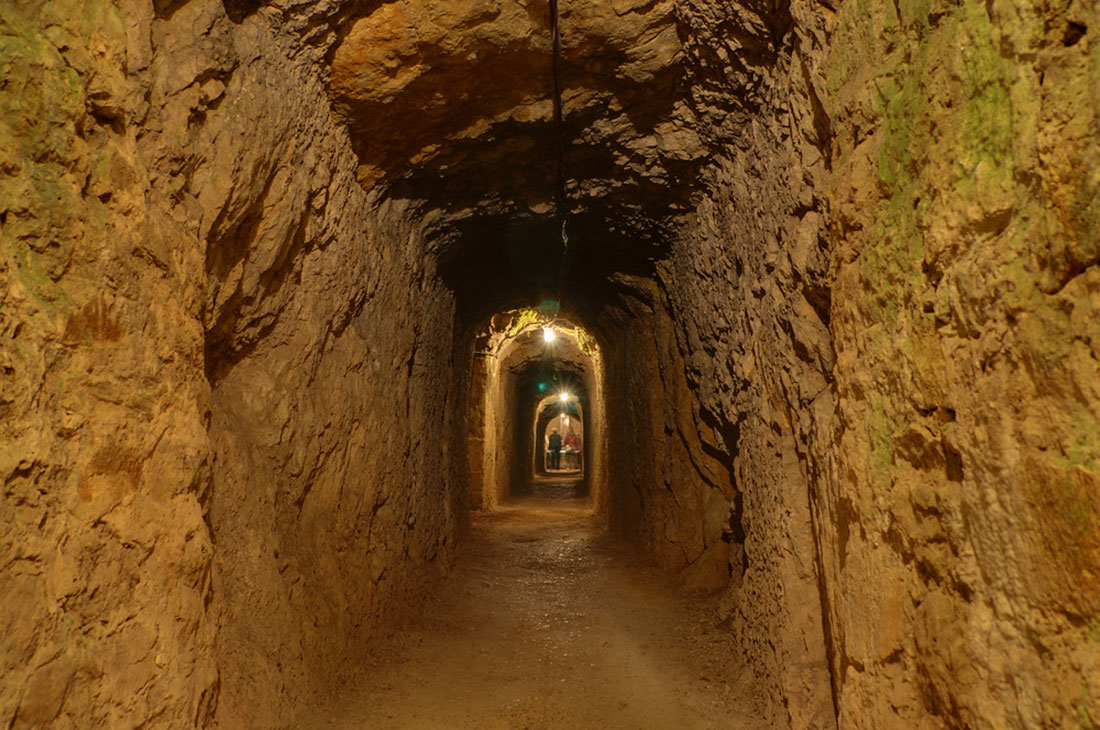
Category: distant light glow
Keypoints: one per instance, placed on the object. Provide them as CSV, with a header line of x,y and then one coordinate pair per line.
x,y
548,334
564,397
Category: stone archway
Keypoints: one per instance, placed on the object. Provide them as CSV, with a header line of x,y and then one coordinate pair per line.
x,y
567,419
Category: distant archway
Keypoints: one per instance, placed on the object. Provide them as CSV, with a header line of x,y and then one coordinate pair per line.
x,y
521,373
567,419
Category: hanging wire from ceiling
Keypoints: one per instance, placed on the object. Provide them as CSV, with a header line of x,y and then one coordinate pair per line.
x,y
560,200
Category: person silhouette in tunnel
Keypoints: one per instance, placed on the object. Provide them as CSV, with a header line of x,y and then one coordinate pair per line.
x,y
572,451
554,445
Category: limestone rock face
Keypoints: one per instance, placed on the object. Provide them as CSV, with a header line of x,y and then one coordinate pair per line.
x,y
962,520
747,285
472,83
104,455
927,219
453,103
840,260
224,457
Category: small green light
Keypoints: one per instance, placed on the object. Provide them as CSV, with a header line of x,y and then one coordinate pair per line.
x,y
549,307
542,387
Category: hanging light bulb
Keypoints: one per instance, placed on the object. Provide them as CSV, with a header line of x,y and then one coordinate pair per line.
x,y
564,397
548,334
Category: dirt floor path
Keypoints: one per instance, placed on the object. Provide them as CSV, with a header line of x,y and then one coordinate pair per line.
x,y
545,624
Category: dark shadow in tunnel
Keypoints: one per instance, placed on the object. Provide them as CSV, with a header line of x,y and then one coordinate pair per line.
x,y
512,260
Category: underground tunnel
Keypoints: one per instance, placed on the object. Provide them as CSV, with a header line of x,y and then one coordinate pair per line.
x,y
536,375
276,390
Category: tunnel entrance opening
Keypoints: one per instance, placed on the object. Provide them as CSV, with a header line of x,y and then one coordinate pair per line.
x,y
534,376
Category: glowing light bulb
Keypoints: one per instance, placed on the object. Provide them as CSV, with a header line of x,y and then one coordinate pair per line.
x,y
548,334
564,397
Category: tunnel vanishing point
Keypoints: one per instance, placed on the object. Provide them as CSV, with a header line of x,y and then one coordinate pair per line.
x,y
272,277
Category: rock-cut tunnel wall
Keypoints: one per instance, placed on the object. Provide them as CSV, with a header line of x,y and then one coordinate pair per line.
x,y
960,518
228,378
883,308
840,260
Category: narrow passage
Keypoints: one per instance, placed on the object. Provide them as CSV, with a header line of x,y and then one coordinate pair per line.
x,y
545,623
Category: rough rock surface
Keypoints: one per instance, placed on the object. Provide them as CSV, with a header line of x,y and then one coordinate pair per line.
x,y
839,258
961,519
909,186
484,151
224,457
736,334
104,454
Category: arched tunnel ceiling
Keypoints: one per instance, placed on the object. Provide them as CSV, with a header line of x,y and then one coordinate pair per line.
x,y
452,104
527,354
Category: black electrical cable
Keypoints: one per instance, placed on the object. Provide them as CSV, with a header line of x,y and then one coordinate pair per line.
x,y
560,202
